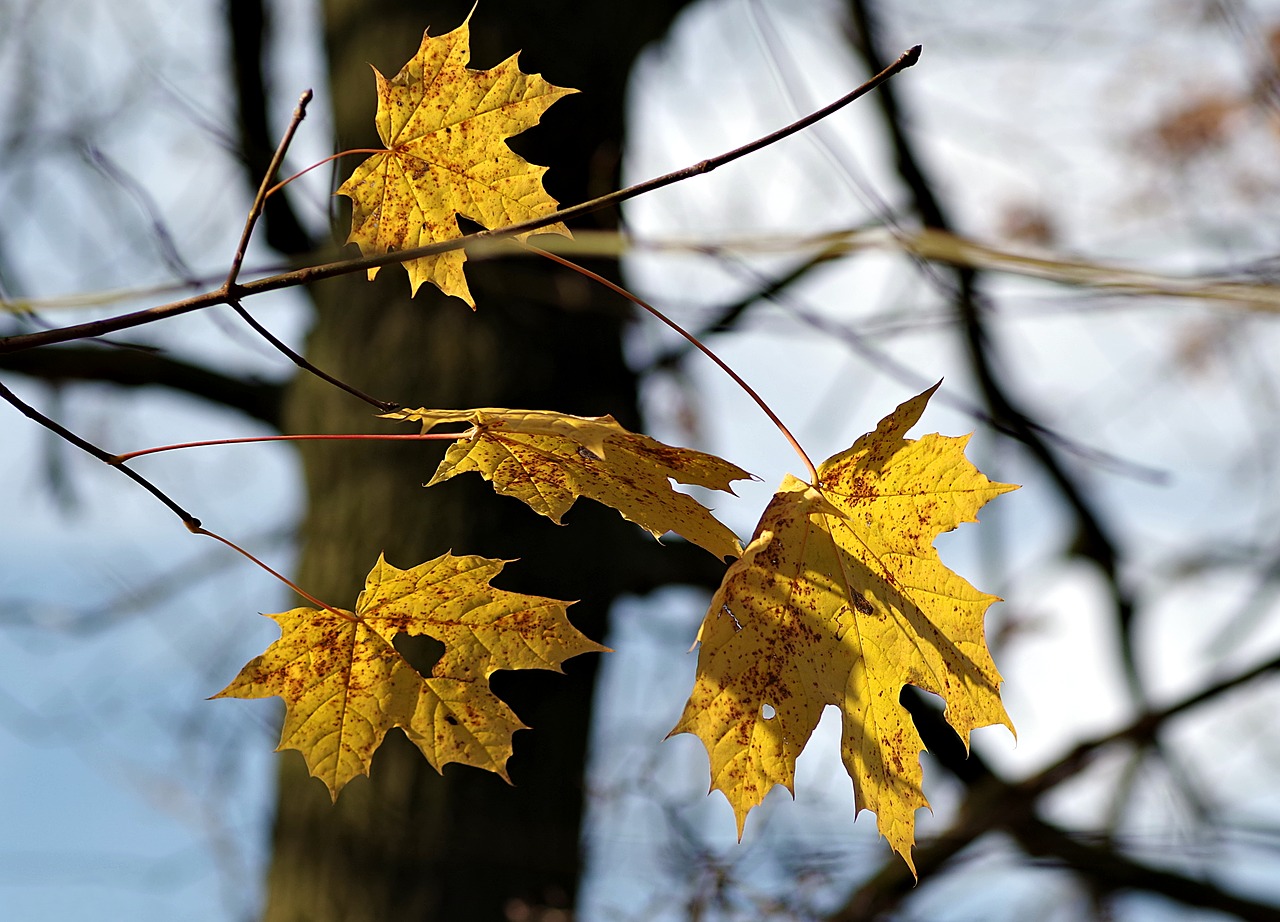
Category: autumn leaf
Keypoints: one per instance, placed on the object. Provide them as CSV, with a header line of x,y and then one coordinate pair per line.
x,y
445,128
841,599
345,685
549,459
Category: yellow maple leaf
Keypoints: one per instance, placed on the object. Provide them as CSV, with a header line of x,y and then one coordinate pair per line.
x,y
549,459
445,128
345,685
841,599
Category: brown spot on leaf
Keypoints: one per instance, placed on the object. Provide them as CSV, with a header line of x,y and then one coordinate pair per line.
x,y
860,491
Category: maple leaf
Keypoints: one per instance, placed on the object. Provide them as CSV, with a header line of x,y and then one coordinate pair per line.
x,y
345,685
841,599
445,128
549,459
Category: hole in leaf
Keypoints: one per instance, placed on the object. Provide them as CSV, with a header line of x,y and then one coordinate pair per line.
x,y
451,720
421,652
767,711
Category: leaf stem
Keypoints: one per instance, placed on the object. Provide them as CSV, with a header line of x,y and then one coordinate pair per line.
x,y
311,274
355,436
696,343
332,157
345,616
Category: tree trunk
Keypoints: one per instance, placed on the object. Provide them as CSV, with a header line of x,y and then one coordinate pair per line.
x,y
408,843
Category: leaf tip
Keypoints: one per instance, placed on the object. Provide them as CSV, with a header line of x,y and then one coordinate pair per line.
x,y
911,865
740,812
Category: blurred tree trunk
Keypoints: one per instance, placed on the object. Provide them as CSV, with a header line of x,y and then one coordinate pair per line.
x,y
408,843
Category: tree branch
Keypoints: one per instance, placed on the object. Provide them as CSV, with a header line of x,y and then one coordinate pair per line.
x,y
1112,872
139,368
1093,540
992,804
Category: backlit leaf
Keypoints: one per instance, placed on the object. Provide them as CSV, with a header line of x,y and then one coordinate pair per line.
x,y
840,599
345,685
549,459
445,128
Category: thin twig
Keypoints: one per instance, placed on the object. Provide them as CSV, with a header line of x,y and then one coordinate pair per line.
x,y
299,113
383,406
992,804
189,520
694,341
363,263
264,190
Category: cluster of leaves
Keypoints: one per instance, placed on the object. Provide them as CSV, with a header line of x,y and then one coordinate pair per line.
x,y
839,598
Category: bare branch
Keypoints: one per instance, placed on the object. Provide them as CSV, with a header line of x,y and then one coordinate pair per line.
x,y
1093,540
299,113
138,368
382,406
993,804
348,266
192,523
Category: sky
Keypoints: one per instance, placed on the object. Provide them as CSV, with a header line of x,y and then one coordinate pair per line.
x,y
125,794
